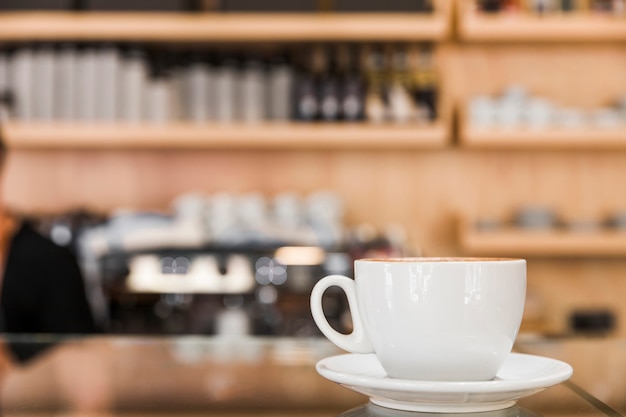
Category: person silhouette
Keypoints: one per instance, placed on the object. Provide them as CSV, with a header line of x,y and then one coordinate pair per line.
x,y
41,286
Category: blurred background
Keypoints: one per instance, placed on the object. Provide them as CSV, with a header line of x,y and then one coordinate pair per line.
x,y
208,161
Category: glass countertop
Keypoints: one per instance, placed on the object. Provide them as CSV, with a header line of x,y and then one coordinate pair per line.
x,y
190,375
599,364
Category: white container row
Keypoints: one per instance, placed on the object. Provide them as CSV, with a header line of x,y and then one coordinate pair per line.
x,y
223,219
515,108
102,84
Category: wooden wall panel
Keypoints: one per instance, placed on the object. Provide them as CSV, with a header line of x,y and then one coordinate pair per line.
x,y
419,189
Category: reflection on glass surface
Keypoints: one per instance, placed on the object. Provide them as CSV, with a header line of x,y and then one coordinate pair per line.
x,y
195,375
598,362
373,410
556,401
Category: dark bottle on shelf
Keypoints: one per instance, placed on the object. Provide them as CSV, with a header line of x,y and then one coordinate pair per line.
x,y
306,100
352,92
376,75
425,86
401,101
329,91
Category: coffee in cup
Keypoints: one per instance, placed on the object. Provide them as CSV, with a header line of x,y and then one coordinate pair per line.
x,y
439,319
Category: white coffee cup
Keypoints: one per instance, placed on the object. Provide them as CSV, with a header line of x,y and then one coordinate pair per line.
x,y
438,319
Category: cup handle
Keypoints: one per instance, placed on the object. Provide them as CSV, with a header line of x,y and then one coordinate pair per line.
x,y
355,342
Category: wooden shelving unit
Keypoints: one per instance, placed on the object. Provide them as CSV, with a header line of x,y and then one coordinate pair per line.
x,y
296,136
221,28
541,243
575,27
205,27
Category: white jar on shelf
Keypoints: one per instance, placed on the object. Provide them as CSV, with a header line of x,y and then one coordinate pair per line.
x,y
482,111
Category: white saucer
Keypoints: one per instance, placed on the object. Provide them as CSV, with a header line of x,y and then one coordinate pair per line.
x,y
520,376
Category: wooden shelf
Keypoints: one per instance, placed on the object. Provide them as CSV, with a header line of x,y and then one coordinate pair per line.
x,y
179,27
544,243
581,27
288,136
549,138
528,138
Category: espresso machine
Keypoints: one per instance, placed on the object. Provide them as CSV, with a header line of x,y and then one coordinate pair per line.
x,y
231,292
223,264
